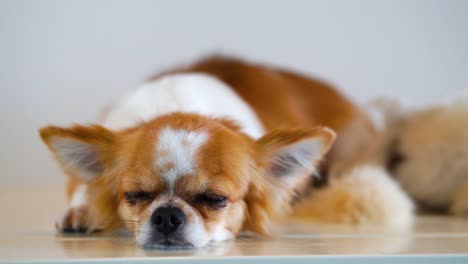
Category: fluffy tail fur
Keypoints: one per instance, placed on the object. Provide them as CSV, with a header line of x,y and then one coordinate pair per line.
x,y
365,195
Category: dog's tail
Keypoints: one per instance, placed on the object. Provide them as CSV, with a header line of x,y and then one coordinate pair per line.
x,y
365,195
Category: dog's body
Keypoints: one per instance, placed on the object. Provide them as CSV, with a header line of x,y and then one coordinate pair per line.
x,y
218,148
259,98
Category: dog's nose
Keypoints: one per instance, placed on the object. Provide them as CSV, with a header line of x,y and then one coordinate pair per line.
x,y
167,219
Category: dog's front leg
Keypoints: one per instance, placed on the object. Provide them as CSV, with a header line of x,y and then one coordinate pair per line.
x,y
76,218
91,207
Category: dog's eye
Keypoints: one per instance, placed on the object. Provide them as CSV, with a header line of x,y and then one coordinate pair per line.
x,y
212,200
136,197
394,160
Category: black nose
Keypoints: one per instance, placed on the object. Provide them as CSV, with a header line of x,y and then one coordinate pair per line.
x,y
167,219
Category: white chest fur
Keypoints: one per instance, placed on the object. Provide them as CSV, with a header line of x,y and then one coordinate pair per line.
x,y
190,92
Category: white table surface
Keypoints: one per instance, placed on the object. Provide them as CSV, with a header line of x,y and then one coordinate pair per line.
x,y
27,235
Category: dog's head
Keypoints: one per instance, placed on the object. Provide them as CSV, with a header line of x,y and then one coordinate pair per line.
x,y
427,152
185,180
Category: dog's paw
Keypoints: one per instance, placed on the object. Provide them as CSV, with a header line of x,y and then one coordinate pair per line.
x,y
74,220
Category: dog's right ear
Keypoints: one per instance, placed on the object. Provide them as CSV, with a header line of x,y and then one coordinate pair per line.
x,y
81,150
384,112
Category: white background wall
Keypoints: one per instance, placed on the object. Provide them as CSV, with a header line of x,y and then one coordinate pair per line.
x,y
61,61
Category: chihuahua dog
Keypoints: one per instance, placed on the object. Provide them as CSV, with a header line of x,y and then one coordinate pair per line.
x,y
426,151
204,152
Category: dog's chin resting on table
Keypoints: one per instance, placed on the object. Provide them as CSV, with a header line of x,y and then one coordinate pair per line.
x,y
205,152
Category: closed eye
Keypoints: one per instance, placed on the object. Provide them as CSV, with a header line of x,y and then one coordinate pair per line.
x,y
136,197
395,159
214,201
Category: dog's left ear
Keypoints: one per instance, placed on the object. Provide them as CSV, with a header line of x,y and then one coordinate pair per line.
x,y
289,158
292,155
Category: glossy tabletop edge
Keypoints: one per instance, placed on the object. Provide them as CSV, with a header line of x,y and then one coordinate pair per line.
x,y
328,259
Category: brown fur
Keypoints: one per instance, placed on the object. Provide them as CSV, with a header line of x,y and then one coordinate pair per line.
x,y
283,99
291,108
